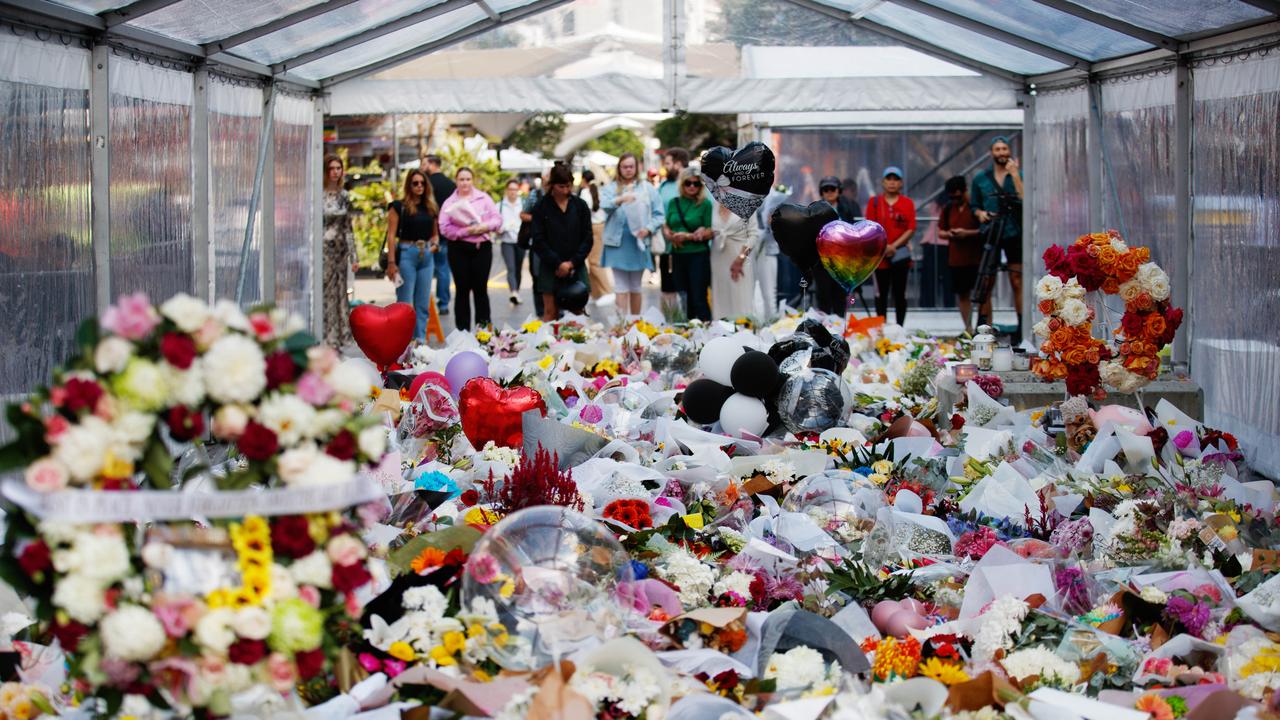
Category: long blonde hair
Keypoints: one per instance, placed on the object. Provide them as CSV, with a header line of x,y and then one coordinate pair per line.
x,y
410,204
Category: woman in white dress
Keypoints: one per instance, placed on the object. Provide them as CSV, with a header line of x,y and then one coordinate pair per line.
x,y
732,264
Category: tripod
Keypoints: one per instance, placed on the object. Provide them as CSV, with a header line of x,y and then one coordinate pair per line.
x,y
989,267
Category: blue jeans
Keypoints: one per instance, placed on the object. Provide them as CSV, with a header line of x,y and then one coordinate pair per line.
x,y
416,267
442,276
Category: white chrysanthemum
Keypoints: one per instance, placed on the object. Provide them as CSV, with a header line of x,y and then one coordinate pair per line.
x,y
1043,663
427,599
112,354
350,380
694,578
1001,619
1049,287
235,370
101,558
294,463
373,442
213,630
132,633
735,582
229,314
187,312
81,597
328,470
796,669
185,386
142,385
289,416
314,569
1074,312
129,433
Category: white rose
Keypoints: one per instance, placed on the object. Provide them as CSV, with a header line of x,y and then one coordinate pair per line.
x,y
314,569
229,314
102,558
1074,312
229,422
81,597
1129,291
1049,287
346,550
349,379
328,422
132,633
235,369
213,630
129,435
329,470
373,442
82,448
294,464
1073,289
187,312
1041,328
112,354
289,416
186,386
282,585
253,623
157,555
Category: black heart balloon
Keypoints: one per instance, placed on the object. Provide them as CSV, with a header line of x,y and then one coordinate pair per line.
x,y
796,228
739,179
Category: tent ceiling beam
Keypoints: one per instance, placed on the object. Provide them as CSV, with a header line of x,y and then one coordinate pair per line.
x,y
992,32
51,15
135,10
279,23
488,10
1120,26
911,41
466,33
372,33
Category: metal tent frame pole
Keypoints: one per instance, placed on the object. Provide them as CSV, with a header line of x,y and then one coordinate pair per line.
x,y
255,198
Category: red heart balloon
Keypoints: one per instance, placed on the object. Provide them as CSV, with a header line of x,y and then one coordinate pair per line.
x,y
490,412
383,332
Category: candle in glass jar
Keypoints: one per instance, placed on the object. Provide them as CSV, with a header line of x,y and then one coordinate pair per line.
x,y
1002,359
965,372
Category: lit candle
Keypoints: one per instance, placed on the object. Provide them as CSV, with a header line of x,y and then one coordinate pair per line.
x,y
1002,360
965,372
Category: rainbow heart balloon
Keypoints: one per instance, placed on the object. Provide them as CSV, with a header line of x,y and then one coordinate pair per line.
x,y
851,252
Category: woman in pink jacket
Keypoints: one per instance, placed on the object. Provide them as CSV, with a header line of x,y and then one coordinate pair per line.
x,y
468,219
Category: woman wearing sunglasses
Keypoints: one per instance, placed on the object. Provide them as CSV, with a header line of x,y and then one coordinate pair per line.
x,y
412,235
633,214
688,230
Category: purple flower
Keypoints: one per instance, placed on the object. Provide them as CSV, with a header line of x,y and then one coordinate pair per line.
x,y
314,390
1070,584
1072,535
591,414
1193,615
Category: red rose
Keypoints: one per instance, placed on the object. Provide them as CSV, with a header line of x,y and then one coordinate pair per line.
x,y
258,442
81,394
1132,323
70,634
1054,257
291,536
178,349
470,498
280,369
184,424
247,652
349,577
758,590
342,446
34,558
310,663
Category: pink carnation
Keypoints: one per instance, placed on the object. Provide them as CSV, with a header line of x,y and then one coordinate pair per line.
x,y
314,390
131,317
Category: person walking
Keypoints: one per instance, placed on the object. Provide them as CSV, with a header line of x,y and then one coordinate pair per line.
x,y
441,188
831,298
734,244
688,231
997,193
633,213
766,262
601,281
412,238
674,161
958,225
897,214
467,219
561,238
512,254
339,255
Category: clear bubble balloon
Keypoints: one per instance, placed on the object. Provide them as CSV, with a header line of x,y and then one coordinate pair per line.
x,y
552,573
624,408
671,353
814,400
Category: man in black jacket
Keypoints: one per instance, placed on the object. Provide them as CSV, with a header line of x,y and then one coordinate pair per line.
x,y
829,296
441,188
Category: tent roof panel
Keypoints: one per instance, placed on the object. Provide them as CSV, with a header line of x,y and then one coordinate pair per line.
x,y
1047,26
93,6
1178,18
961,40
846,61
328,28
201,21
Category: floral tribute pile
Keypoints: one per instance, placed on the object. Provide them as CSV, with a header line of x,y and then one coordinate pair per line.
x,y
1102,262
903,558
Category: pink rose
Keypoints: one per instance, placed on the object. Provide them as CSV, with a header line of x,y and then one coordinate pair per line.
x,y
281,672
46,475
131,317
175,615
314,390
321,359
209,332
262,326
347,550
54,427
309,595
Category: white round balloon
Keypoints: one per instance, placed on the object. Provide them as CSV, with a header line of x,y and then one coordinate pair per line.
x,y
742,414
718,356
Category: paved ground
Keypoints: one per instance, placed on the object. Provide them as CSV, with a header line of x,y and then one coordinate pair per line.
x,y
380,291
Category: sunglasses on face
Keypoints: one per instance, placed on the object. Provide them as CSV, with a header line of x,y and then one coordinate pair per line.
x,y
692,184
416,183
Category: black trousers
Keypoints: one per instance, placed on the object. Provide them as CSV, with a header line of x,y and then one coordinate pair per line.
x,y
692,273
829,296
470,264
893,280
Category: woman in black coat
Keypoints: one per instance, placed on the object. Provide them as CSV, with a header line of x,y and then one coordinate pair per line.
x,y
562,239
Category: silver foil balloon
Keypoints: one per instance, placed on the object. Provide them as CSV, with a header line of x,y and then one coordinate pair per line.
x,y
671,353
814,400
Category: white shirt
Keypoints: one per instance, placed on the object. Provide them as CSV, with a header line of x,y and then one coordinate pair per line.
x,y
510,212
597,217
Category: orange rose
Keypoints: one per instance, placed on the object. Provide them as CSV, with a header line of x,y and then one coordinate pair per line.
x,y
1142,254
1107,256
1155,326
1060,338
1111,285
1046,306
1075,356
1143,301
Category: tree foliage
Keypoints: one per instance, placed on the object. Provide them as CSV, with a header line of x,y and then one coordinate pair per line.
x,y
488,172
538,134
618,141
697,132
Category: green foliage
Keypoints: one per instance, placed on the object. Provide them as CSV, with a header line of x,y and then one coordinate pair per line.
x,y
618,141
539,133
369,222
864,585
488,173
697,132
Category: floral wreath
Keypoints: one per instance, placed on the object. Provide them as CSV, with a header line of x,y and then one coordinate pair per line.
x,y
1102,261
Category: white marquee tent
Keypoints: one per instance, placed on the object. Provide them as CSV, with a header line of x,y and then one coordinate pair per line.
x,y
145,138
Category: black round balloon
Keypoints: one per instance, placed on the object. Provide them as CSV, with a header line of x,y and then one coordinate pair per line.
x,y
816,330
788,346
755,374
796,228
703,399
